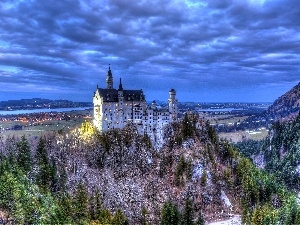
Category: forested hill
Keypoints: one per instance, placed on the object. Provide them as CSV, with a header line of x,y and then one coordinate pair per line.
x,y
286,105
279,153
117,177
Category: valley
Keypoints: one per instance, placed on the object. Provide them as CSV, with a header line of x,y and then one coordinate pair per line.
x,y
197,173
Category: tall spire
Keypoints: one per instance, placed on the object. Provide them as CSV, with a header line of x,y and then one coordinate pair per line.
x,y
109,79
120,85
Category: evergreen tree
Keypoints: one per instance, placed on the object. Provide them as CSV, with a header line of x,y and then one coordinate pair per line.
x,y
80,205
200,220
188,214
179,171
203,178
119,218
23,155
44,174
54,182
65,209
187,127
105,217
96,207
144,214
170,214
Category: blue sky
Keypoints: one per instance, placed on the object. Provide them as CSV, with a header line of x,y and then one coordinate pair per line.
x,y
209,51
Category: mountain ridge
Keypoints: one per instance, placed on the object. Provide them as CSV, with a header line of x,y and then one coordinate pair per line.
x,y
286,105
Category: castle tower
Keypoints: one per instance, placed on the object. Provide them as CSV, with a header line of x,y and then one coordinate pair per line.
x,y
120,86
120,106
153,105
120,92
109,79
173,109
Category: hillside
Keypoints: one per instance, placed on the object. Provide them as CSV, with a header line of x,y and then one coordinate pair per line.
x,y
279,153
286,105
118,177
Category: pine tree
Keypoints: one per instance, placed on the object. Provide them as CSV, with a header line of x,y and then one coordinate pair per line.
x,y
44,174
54,182
23,155
80,205
181,166
203,178
119,218
200,220
96,207
170,214
64,212
188,214
105,217
187,127
144,214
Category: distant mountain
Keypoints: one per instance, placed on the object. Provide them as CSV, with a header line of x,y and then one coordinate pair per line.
x,y
36,103
287,105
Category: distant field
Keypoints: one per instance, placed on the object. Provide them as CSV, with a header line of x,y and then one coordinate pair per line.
x,y
226,119
240,135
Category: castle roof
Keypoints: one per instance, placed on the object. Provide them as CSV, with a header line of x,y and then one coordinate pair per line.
x,y
111,95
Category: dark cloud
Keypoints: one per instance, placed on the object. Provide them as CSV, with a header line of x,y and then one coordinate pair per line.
x,y
207,50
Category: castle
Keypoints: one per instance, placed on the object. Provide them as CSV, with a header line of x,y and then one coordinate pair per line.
x,y
114,108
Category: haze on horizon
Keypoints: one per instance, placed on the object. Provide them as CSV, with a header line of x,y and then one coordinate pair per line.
x,y
208,51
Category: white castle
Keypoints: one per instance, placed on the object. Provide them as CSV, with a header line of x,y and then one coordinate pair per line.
x,y
114,108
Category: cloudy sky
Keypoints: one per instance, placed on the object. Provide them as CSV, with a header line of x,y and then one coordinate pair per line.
x,y
208,50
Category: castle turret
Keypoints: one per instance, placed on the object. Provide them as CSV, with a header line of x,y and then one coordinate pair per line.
x,y
173,105
120,91
153,105
120,86
109,79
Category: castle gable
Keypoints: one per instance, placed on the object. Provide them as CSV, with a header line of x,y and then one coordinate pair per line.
x,y
133,95
111,95
108,95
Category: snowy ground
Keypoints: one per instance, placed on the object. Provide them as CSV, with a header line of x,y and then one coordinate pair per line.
x,y
235,220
